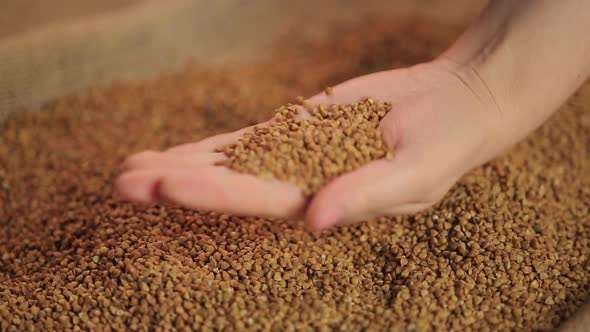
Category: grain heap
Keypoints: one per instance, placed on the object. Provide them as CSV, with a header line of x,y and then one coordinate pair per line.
x,y
507,248
310,152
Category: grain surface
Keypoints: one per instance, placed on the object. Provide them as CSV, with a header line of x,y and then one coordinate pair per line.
x,y
506,249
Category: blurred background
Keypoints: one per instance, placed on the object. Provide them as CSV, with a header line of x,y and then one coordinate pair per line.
x,y
17,16
21,15
54,48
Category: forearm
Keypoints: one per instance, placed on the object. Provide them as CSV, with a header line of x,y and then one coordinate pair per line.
x,y
529,56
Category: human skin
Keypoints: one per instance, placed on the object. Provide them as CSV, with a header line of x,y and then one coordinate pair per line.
x,y
496,84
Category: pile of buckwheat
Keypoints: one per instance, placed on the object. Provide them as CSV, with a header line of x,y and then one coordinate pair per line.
x,y
310,152
506,249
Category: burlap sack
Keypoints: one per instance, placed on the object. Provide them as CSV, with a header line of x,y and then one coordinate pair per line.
x,y
147,37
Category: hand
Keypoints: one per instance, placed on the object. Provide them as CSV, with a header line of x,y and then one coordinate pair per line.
x,y
443,123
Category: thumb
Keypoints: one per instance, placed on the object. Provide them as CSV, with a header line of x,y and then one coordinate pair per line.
x,y
378,188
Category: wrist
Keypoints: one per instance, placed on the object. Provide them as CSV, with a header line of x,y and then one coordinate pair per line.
x,y
523,54
476,120
495,105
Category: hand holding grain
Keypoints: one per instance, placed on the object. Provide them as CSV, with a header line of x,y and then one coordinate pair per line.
x,y
437,125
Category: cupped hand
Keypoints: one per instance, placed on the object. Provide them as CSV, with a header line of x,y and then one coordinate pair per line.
x,y
444,122
188,175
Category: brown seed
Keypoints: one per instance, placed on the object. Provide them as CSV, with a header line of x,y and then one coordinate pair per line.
x,y
282,150
74,257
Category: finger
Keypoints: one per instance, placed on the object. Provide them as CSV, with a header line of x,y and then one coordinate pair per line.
x,y
212,143
215,189
139,186
408,208
223,190
357,195
151,159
